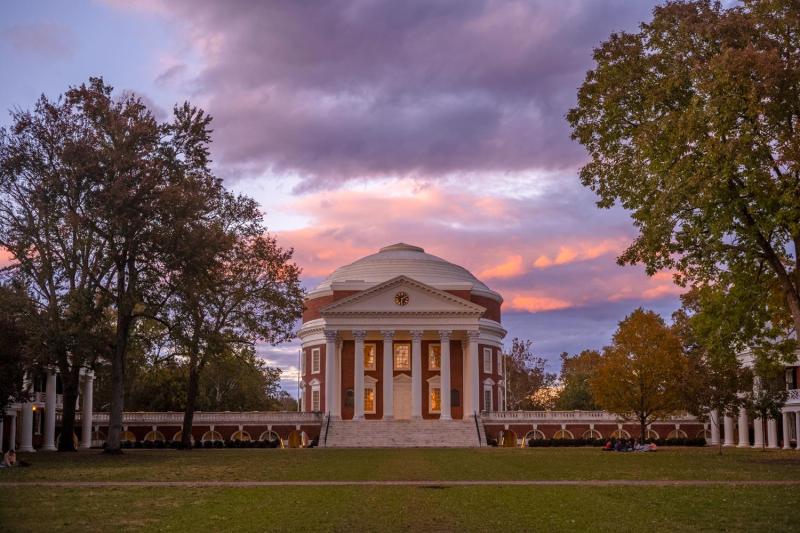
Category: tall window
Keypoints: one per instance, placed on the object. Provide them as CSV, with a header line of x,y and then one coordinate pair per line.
x,y
315,399
435,400
487,398
369,356
487,360
434,356
369,399
402,357
315,361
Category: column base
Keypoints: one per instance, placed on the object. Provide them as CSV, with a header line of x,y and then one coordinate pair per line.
x,y
85,447
416,417
744,445
48,448
26,449
729,445
388,417
356,417
445,417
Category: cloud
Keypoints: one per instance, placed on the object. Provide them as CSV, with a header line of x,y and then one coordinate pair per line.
x,y
49,40
341,91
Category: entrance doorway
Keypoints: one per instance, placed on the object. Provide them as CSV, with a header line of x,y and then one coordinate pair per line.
x,y
402,397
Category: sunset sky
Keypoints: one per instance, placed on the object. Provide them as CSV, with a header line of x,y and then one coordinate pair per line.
x,y
362,124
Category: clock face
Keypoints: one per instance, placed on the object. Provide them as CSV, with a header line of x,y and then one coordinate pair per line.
x,y
401,298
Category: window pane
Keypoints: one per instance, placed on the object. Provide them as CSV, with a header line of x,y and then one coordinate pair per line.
x,y
434,356
436,399
487,360
369,356
369,400
402,357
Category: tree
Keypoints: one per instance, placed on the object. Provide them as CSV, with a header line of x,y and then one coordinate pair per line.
x,y
768,395
640,373
244,290
47,164
576,373
13,349
690,125
525,377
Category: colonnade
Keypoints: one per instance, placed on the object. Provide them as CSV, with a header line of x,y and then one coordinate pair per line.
x,y
333,375
26,411
760,439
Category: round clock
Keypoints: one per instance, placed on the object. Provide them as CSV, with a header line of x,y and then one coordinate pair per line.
x,y
401,298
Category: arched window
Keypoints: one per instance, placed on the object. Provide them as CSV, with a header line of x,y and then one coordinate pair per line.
x,y
74,440
179,435
678,434
652,434
592,434
127,436
563,434
154,436
620,434
211,436
270,436
533,434
508,439
241,436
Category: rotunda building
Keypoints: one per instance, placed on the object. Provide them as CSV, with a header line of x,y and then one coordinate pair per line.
x,y
402,334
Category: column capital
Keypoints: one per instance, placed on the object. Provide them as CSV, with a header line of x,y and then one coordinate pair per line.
x,y
388,334
416,334
444,335
473,336
330,335
359,334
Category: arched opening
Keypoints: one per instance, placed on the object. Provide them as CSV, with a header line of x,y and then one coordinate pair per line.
x,y
75,440
212,437
653,434
241,436
178,436
620,434
272,439
298,439
154,436
533,434
592,434
562,434
508,439
98,439
681,434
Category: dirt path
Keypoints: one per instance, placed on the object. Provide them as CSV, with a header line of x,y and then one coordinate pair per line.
x,y
543,483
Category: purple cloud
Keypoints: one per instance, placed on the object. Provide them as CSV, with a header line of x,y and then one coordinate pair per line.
x,y
44,39
349,90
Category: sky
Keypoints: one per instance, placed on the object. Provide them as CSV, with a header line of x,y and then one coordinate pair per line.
x,y
360,124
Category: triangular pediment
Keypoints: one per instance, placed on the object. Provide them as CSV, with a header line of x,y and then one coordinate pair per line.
x,y
402,296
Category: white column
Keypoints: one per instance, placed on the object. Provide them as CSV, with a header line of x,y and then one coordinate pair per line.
x,y
472,399
87,411
50,412
12,432
388,375
729,440
787,431
758,433
26,435
797,429
444,338
772,433
330,357
744,433
713,418
416,374
358,403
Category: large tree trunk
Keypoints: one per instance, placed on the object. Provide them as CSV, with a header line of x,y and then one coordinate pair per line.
x,y
69,383
643,427
124,320
191,400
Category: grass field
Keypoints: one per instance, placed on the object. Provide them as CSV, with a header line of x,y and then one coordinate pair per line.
x,y
441,507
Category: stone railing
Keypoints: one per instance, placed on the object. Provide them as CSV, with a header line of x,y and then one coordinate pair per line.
x,y
225,418
794,397
560,417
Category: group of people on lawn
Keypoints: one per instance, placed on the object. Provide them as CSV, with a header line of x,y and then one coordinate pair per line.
x,y
9,459
628,445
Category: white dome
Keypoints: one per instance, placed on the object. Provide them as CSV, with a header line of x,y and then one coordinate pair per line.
x,y
403,260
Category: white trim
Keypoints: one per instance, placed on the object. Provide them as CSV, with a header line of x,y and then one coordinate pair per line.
x,y
370,384
394,356
487,388
434,382
316,404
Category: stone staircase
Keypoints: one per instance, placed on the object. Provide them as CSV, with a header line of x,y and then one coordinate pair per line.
x,y
403,434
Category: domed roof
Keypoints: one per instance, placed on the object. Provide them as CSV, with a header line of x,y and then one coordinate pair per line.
x,y
403,260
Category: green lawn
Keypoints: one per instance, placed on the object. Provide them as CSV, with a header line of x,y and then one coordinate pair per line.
x,y
389,508
403,508
409,464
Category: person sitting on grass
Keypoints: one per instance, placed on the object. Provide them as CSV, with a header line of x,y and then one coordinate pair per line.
x,y
608,446
9,459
